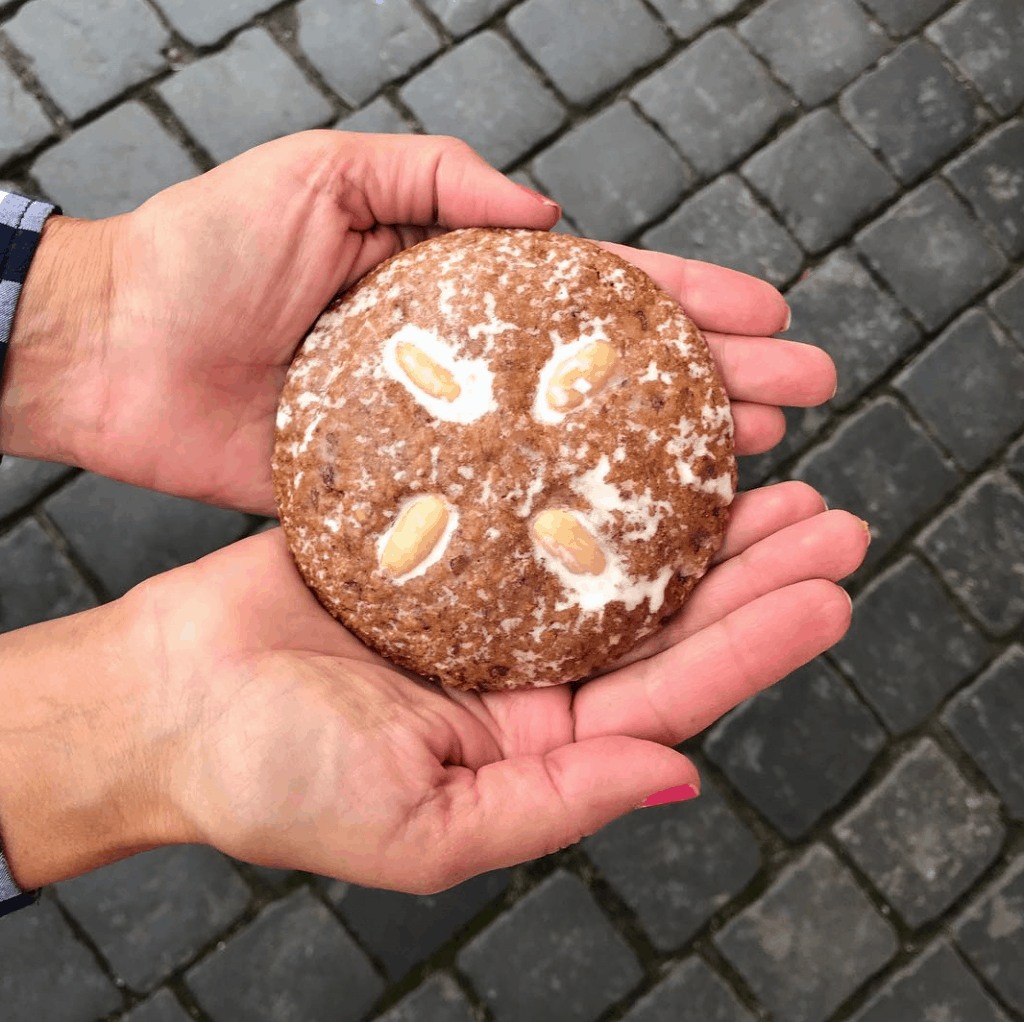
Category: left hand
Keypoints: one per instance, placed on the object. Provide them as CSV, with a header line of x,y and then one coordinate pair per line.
x,y
152,347
286,742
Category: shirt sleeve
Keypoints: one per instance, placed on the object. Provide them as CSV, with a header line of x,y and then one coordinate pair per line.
x,y
21,223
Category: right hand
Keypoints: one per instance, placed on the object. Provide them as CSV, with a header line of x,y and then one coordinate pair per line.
x,y
235,711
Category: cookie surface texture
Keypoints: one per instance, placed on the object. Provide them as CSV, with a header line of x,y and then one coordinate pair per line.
x,y
503,458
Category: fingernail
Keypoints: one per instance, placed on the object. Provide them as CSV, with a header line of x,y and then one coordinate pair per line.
x,y
789,319
537,196
867,529
680,793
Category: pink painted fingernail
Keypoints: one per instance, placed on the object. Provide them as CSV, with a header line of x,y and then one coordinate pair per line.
x,y
680,793
538,197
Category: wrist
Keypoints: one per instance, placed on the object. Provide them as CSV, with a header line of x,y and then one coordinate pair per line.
x,y
50,392
82,747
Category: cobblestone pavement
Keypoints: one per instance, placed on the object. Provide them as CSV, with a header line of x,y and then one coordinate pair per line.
x,y
858,853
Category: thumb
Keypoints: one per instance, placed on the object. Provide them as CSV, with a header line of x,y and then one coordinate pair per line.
x,y
528,807
431,180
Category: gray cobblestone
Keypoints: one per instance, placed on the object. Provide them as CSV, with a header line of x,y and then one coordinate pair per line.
x,y
563,226
437,1000
612,174
403,929
242,96
715,101
907,647
991,934
912,109
113,164
126,534
379,117
506,113
932,253
986,39
809,941
987,719
359,47
466,15
587,48
203,23
293,962
882,467
1014,461
275,878
46,973
83,62
935,644
161,1007
967,386
725,224
22,121
820,178
901,17
802,425
36,582
691,992
22,480
794,750
1007,302
577,964
151,913
936,986
923,835
688,17
815,46
991,177
976,546
640,856
838,307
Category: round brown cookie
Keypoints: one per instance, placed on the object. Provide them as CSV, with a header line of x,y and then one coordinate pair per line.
x,y
503,458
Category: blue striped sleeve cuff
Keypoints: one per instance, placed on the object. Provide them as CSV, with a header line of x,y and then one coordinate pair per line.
x,y
21,223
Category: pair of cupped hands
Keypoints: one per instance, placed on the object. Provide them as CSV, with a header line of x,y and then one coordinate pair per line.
x,y
219,703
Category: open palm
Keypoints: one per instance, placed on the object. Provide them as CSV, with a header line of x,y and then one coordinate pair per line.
x,y
293,745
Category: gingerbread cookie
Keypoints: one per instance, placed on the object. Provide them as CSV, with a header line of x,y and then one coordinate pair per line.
x,y
503,458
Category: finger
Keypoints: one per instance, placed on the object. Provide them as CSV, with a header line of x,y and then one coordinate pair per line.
x,y
828,546
520,809
831,545
677,694
771,371
759,513
430,180
714,297
381,243
756,428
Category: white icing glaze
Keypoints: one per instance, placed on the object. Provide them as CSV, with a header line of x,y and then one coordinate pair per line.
x,y
591,332
491,326
592,593
641,513
474,377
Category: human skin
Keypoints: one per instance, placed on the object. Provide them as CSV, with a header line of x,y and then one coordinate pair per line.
x,y
219,703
